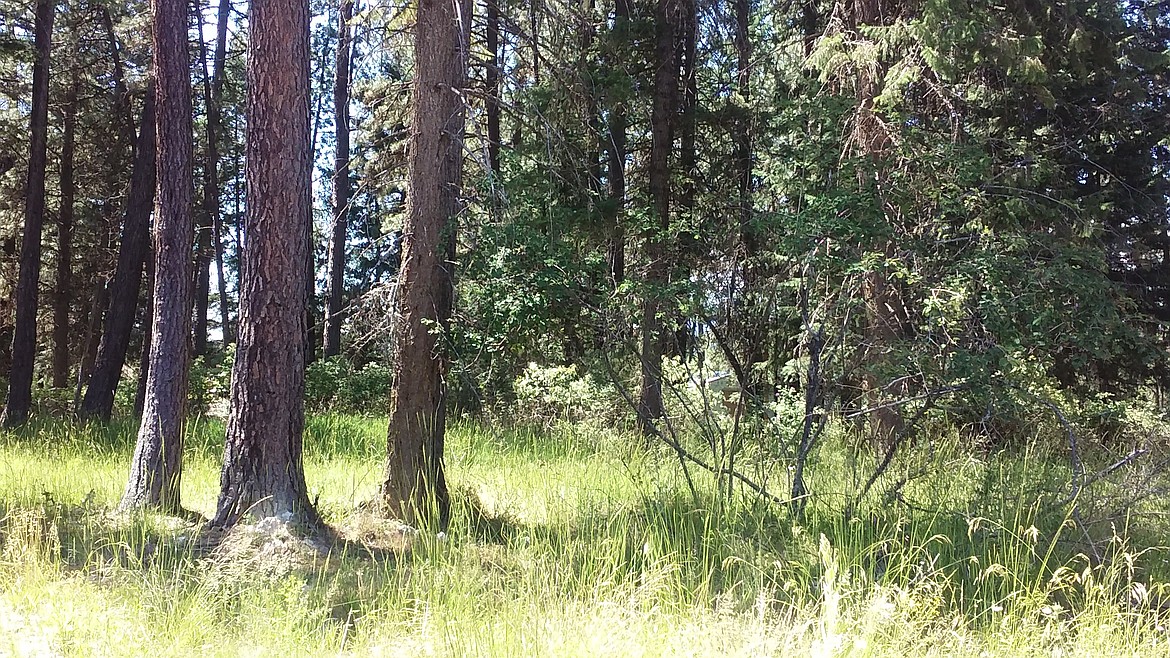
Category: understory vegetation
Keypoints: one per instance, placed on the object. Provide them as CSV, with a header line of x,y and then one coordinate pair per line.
x,y
574,540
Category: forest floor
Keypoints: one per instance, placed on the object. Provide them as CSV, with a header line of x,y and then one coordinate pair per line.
x,y
573,543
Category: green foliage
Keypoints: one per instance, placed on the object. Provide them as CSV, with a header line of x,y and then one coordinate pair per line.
x,y
335,384
210,380
561,394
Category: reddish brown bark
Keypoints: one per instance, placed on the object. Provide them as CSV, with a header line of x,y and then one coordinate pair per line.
x,y
415,488
263,474
884,307
156,468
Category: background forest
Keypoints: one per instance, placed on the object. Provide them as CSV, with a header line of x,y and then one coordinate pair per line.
x,y
652,327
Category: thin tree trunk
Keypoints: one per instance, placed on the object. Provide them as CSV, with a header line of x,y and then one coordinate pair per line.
x,y
156,468
263,474
216,115
592,114
210,201
123,113
616,153
743,135
415,488
747,324
650,406
126,285
209,243
884,306
24,340
688,154
492,78
63,296
93,332
312,327
336,294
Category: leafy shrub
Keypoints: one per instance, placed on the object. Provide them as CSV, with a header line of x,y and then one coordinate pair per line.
x,y
335,384
210,380
552,394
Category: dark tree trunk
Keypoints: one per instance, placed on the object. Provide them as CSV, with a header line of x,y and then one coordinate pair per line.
x,y
24,340
592,113
314,330
123,114
688,154
93,332
810,19
336,294
415,489
156,468
492,78
263,474
743,135
650,406
209,243
204,249
616,150
215,118
125,287
63,296
144,353
748,325
202,283
884,307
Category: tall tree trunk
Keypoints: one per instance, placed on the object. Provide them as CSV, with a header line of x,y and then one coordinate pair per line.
x,y
126,285
123,113
63,296
415,489
688,127
263,473
650,405
743,134
492,78
209,243
156,468
215,116
336,294
592,113
204,250
24,340
616,153
810,19
314,331
748,323
884,307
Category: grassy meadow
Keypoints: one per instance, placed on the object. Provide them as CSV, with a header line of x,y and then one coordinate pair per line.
x,y
573,542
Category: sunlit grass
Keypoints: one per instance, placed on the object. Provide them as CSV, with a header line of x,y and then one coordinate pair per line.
x,y
565,543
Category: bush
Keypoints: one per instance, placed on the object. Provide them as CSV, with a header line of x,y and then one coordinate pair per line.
x,y
335,384
210,380
554,394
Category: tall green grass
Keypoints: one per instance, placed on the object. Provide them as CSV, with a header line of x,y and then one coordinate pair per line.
x,y
571,542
